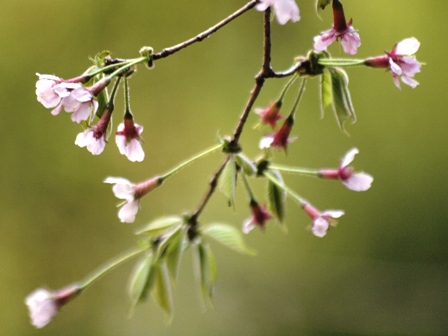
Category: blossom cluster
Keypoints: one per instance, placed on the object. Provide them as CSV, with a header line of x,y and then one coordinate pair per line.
x,y
57,94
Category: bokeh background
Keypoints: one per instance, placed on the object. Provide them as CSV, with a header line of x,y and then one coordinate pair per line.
x,y
382,271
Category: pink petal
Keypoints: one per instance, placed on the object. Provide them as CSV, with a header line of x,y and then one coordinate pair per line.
x,y
134,151
358,182
320,227
323,41
128,212
266,141
409,81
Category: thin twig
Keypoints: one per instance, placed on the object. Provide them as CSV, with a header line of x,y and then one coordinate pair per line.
x,y
265,72
198,38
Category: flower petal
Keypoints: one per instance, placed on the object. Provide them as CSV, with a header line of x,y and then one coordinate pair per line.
x,y
128,212
349,156
407,47
358,182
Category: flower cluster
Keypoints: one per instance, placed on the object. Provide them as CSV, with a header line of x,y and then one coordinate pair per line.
x,y
57,94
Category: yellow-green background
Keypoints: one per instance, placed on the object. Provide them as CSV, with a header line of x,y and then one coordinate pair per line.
x,y
382,271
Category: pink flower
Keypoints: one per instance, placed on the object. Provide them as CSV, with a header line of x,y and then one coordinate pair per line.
x,y
401,61
285,10
131,193
81,103
342,31
322,220
94,141
271,114
44,305
50,91
129,141
353,181
259,217
279,139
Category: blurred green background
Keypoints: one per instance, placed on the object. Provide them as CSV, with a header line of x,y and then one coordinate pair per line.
x,y
382,271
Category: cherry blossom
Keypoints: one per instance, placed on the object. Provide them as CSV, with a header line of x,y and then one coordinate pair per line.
x,y
322,220
131,193
43,304
50,91
94,138
259,217
271,114
401,61
129,141
285,10
341,31
353,181
279,139
94,142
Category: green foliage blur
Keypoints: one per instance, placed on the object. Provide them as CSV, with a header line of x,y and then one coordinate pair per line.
x,y
382,271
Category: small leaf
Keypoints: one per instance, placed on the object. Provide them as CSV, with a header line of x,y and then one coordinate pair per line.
x,y
165,240
162,293
142,281
276,197
248,166
207,270
174,252
229,236
321,4
160,225
227,181
342,103
326,94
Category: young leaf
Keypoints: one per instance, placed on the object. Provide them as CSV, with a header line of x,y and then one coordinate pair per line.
x,y
326,94
229,236
174,252
276,197
160,225
142,281
207,270
227,181
162,293
165,240
342,103
249,168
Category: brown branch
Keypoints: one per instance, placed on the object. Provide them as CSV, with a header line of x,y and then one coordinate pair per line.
x,y
198,38
264,73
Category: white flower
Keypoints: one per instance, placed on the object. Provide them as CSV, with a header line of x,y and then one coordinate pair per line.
x,y
42,307
81,103
95,145
128,140
124,189
285,10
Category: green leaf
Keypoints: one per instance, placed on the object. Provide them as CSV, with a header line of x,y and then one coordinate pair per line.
x,y
174,252
228,236
326,94
249,168
160,225
276,197
207,270
142,281
342,103
321,4
162,292
227,181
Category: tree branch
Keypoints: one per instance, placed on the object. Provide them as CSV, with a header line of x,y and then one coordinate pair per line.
x,y
198,38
